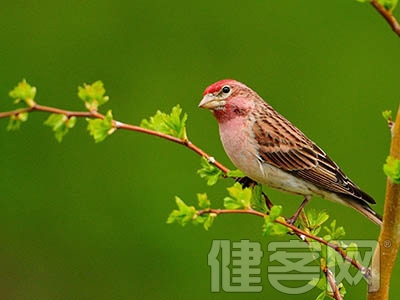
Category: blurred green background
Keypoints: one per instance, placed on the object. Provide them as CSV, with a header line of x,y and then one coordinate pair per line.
x,y
81,220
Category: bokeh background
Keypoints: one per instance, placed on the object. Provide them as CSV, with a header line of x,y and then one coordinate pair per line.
x,y
81,220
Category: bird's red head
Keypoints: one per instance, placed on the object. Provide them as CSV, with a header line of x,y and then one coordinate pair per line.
x,y
216,87
227,99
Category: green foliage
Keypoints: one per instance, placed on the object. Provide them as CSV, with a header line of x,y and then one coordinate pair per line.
x,y
235,174
209,172
207,220
270,227
392,169
203,200
334,232
93,95
390,5
239,197
100,129
387,115
183,215
15,121
312,220
60,124
186,214
24,91
257,200
172,124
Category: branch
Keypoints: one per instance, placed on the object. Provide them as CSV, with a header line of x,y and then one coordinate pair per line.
x,y
389,238
331,280
300,233
117,125
387,15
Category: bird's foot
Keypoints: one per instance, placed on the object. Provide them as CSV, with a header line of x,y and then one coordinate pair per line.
x,y
293,219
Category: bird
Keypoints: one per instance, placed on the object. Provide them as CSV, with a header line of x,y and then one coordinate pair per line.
x,y
270,150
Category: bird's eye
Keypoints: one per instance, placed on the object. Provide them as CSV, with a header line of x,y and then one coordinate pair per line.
x,y
226,89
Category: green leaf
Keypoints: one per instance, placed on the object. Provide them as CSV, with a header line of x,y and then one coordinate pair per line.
x,y
204,202
321,296
387,115
240,198
184,214
172,124
342,289
334,232
388,4
60,124
209,221
24,91
275,212
93,95
270,227
16,120
257,200
209,172
100,129
236,174
392,169
312,220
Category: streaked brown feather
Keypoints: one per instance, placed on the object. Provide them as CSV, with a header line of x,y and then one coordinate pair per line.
x,y
284,146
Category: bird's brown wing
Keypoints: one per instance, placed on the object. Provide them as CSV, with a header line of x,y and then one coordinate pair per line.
x,y
284,146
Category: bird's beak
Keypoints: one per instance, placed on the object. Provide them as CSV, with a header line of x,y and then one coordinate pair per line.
x,y
211,102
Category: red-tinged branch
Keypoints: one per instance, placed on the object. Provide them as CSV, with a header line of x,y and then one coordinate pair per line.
x,y
117,125
300,233
387,15
389,238
331,280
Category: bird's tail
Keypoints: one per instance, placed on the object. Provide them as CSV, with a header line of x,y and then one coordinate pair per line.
x,y
363,208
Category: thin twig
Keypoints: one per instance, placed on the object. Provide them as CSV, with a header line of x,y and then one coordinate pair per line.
x,y
301,233
117,125
387,15
331,280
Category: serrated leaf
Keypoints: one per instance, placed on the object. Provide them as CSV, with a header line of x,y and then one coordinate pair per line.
x,y
390,5
172,124
392,169
203,200
270,227
312,220
60,125
184,214
93,95
321,296
209,172
257,200
235,174
24,91
387,115
274,229
209,221
15,121
275,212
100,129
334,232
240,198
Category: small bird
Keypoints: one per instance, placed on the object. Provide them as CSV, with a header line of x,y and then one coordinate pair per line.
x,y
272,151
